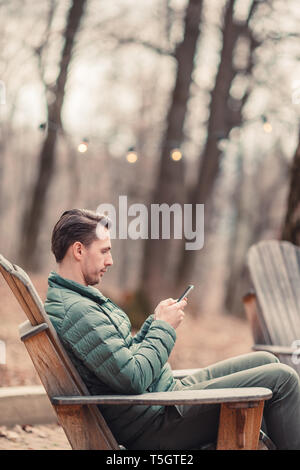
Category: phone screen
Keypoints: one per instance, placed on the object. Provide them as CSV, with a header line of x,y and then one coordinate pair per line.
x,y
186,292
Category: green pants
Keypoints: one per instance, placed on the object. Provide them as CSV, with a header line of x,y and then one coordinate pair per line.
x,y
190,427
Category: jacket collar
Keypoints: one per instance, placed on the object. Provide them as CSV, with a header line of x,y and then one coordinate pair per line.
x,y
55,280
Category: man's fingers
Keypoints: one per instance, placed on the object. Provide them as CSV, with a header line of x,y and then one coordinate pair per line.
x,y
168,301
177,306
171,301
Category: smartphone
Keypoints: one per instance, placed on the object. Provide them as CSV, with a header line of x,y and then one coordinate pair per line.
x,y
186,292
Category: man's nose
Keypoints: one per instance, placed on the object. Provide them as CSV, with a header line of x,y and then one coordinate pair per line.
x,y
109,261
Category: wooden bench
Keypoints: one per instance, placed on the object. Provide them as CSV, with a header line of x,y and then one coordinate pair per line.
x,y
273,304
77,410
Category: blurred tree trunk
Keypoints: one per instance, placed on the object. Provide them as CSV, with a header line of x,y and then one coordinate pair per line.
x,y
36,208
291,227
225,113
169,187
254,216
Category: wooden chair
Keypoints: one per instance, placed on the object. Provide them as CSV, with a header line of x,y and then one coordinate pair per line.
x,y
273,305
77,411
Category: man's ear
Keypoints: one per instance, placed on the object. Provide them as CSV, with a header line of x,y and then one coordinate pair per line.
x,y
77,250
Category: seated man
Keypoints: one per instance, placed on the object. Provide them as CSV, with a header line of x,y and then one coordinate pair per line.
x,y
97,336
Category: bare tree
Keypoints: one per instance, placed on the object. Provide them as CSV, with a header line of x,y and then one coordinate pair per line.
x,y
35,211
169,187
225,113
255,217
291,226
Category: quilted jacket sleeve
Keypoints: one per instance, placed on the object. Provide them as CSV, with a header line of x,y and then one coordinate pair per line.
x,y
142,332
96,341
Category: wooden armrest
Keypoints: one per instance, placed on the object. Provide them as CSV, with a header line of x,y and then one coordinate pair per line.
x,y
189,397
275,349
181,373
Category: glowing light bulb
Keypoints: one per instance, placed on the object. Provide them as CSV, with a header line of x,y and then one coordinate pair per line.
x,y
266,124
267,127
83,146
176,155
131,156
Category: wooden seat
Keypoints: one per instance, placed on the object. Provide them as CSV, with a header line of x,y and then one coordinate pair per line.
x,y
273,304
77,411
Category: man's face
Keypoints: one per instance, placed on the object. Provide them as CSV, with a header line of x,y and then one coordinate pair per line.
x,y
96,258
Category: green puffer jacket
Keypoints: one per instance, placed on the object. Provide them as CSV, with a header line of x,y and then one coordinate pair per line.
x,y
97,336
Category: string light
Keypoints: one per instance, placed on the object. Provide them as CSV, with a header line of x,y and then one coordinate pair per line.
x,y
176,154
131,155
266,124
83,146
267,127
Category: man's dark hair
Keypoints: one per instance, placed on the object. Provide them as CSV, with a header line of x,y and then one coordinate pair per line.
x,y
76,225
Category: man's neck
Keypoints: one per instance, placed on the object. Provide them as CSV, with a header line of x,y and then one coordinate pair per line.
x,y
69,272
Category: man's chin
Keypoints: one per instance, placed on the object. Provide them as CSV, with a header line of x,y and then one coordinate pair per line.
x,y
94,281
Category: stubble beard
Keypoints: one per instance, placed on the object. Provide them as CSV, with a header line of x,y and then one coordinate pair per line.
x,y
92,281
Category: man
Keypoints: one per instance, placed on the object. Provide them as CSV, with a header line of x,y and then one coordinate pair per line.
x,y
97,336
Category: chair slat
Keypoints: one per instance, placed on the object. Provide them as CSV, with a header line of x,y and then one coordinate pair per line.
x,y
264,293
284,302
274,269
11,282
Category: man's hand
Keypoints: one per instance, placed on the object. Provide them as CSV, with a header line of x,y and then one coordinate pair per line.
x,y
170,311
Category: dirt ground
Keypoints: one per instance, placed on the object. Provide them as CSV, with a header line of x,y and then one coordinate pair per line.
x,y
211,338
47,437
